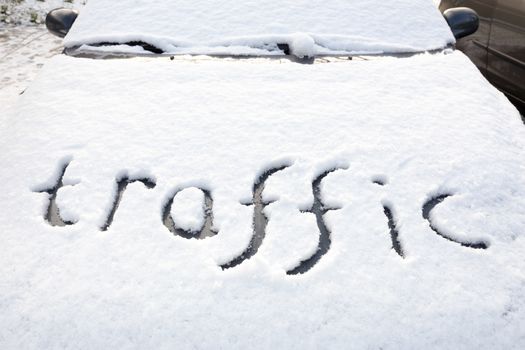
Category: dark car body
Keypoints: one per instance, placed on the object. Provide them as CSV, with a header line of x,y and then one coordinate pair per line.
x,y
498,47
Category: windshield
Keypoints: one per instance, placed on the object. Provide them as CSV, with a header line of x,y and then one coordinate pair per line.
x,y
231,27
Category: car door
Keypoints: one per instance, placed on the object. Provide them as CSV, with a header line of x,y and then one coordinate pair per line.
x,y
475,45
506,50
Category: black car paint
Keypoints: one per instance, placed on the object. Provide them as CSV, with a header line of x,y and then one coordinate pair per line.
x,y
498,47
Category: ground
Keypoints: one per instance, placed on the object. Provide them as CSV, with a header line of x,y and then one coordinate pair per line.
x,y
25,44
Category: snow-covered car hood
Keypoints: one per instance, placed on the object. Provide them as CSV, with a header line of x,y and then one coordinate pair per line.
x,y
310,28
418,186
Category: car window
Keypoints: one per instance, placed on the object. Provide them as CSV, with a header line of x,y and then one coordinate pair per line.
x,y
307,28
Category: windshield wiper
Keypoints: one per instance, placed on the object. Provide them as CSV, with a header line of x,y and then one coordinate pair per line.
x,y
144,45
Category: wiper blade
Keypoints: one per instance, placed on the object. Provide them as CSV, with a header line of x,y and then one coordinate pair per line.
x,y
146,46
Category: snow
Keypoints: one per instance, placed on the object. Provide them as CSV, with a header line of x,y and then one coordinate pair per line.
x,y
239,27
221,124
24,50
25,46
302,45
188,209
138,50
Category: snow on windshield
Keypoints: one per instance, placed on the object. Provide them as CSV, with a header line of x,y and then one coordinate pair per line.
x,y
255,27
218,203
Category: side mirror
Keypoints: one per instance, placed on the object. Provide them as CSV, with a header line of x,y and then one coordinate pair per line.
x,y
462,21
59,21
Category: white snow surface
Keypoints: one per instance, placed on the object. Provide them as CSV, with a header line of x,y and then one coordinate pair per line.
x,y
25,48
23,52
309,27
424,126
188,209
